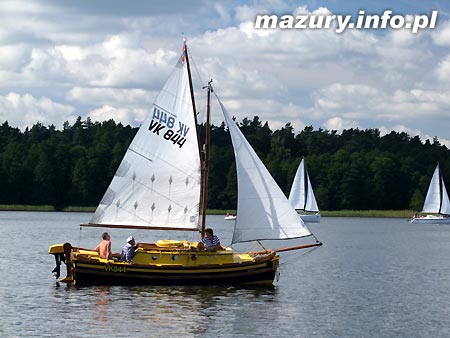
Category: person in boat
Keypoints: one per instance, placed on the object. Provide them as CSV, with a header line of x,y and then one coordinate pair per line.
x,y
129,250
210,242
104,247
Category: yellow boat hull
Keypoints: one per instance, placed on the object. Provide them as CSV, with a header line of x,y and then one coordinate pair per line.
x,y
165,264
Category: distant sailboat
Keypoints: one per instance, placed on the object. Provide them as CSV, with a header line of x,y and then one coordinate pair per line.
x,y
436,202
302,195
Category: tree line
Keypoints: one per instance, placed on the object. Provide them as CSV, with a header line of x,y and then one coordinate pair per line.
x,y
357,169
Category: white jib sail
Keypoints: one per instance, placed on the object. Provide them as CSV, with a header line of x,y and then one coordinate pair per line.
x,y
158,182
301,195
264,212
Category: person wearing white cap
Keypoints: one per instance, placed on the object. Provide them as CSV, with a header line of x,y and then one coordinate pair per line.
x,y
129,250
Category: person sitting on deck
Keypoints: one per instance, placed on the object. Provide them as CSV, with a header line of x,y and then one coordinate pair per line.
x,y
104,247
210,242
129,250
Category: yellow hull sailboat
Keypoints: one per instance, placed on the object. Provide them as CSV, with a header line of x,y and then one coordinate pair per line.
x,y
160,185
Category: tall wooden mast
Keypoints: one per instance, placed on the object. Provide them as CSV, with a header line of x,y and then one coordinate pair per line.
x,y
191,88
204,153
206,157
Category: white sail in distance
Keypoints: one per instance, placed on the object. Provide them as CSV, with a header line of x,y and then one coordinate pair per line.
x,y
158,181
437,200
263,211
302,195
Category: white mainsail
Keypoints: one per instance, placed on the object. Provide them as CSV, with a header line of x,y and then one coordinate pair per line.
x,y
264,213
158,182
437,200
302,195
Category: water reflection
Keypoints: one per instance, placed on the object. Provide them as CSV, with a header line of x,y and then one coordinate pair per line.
x,y
103,300
164,310
191,309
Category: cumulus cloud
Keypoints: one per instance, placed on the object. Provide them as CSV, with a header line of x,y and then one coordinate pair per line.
x,y
412,132
339,124
125,116
14,57
25,110
360,90
112,65
100,96
443,70
441,36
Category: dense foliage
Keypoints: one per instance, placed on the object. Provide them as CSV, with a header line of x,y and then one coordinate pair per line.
x,y
358,169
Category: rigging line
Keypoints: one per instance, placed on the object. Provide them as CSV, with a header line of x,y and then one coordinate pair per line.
x,y
196,69
79,237
176,97
293,256
202,83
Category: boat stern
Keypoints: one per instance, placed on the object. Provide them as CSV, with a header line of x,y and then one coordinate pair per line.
x,y
62,253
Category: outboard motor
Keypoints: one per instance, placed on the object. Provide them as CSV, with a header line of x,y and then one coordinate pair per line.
x,y
62,254
58,259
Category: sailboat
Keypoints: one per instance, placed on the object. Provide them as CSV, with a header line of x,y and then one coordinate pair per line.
x,y
161,184
436,202
302,195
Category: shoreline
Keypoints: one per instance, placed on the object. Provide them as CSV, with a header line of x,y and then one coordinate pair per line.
x,y
334,213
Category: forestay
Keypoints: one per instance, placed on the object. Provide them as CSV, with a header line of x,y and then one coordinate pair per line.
x,y
264,213
437,200
158,182
302,195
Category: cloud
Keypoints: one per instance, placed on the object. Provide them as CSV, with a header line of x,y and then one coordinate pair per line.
x,y
412,132
109,59
14,57
118,96
441,35
125,116
339,124
25,110
443,70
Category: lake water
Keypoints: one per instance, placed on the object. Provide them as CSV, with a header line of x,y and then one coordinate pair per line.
x,y
371,278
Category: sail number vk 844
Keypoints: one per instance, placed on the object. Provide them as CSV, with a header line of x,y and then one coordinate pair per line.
x,y
162,124
114,268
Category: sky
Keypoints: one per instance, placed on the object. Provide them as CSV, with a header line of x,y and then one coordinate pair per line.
x,y
108,59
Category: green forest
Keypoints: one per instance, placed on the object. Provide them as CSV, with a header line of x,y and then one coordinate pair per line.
x,y
354,170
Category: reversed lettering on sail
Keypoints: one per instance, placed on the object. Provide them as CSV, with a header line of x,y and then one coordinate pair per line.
x,y
164,124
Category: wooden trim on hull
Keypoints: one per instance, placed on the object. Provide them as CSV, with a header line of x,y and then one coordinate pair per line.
x,y
96,274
